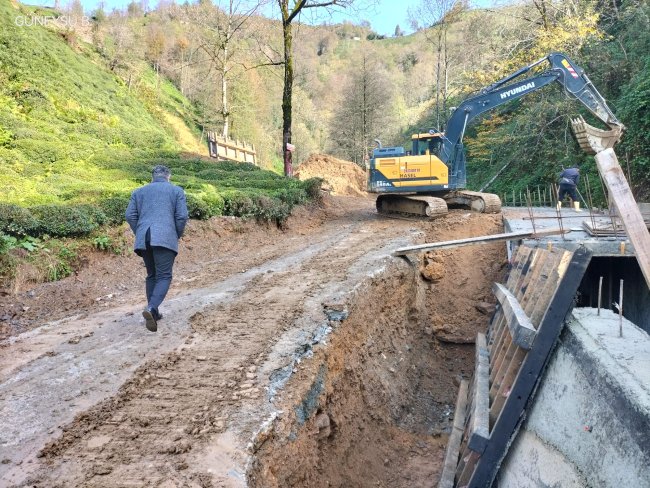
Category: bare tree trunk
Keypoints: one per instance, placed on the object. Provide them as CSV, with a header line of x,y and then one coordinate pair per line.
x,y
182,72
224,96
445,68
286,98
438,67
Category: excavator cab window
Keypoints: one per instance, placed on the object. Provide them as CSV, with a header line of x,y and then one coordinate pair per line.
x,y
424,146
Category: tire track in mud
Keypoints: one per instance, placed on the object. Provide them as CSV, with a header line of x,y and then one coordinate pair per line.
x,y
185,418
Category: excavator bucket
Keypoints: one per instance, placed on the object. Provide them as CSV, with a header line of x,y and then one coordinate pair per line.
x,y
593,140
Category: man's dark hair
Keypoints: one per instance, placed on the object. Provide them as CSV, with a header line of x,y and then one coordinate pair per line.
x,y
161,171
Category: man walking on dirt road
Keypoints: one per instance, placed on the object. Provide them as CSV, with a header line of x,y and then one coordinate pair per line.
x,y
157,214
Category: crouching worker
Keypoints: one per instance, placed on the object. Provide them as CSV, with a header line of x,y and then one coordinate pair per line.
x,y
569,179
157,214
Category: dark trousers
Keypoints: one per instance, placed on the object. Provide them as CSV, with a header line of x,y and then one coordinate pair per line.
x,y
159,262
569,190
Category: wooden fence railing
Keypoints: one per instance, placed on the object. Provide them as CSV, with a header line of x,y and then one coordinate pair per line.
x,y
223,148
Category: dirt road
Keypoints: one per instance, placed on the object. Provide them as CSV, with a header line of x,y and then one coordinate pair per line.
x,y
93,399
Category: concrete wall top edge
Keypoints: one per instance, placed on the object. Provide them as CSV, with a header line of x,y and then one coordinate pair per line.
x,y
625,360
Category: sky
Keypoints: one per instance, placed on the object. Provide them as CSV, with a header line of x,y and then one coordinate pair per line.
x,y
383,17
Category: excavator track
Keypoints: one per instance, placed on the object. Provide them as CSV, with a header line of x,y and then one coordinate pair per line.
x,y
474,200
411,205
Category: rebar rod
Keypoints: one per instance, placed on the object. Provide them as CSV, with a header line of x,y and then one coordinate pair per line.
x,y
620,311
600,293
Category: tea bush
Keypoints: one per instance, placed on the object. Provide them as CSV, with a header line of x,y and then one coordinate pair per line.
x,y
63,221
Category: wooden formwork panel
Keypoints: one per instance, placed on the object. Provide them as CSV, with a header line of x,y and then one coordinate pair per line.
x,y
532,283
545,294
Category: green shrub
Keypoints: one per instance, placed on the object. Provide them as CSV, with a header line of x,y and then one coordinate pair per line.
x,y
17,221
238,205
8,264
114,208
197,208
292,196
62,221
7,243
271,210
215,203
63,264
102,243
313,188
93,213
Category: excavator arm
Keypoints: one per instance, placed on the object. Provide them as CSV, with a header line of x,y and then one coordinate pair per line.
x,y
562,70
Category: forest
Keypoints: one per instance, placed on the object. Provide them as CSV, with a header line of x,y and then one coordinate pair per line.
x,y
352,86
90,99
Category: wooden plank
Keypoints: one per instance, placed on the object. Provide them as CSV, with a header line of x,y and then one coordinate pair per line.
x,y
464,474
520,326
505,386
540,265
518,287
495,326
402,251
480,428
628,209
499,371
453,445
551,284
521,263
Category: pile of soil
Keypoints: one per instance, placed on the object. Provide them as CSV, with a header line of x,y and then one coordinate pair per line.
x,y
341,177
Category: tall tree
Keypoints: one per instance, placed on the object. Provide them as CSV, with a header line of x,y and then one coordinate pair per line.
x,y
289,10
363,114
438,14
222,24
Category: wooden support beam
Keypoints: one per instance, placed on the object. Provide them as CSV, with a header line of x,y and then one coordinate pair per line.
x,y
480,428
453,444
520,326
619,189
402,251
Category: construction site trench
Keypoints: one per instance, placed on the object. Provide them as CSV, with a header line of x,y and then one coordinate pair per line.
x,y
317,360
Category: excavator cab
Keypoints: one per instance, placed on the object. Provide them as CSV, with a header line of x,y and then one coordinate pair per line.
x,y
427,143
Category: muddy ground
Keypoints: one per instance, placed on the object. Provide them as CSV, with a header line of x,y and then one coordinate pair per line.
x,y
304,357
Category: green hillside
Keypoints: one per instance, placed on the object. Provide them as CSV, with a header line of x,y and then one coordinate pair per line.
x,y
72,132
67,126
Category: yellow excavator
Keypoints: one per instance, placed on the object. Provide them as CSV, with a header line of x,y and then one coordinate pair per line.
x,y
430,177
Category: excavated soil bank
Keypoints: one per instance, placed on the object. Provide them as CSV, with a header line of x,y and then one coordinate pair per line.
x,y
375,405
342,178
311,358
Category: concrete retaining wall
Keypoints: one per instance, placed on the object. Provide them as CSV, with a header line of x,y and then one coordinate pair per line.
x,y
590,422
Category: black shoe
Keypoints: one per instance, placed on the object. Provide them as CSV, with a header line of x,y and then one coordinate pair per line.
x,y
157,315
150,320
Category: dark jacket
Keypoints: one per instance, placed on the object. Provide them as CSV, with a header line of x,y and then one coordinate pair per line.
x,y
161,209
570,177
